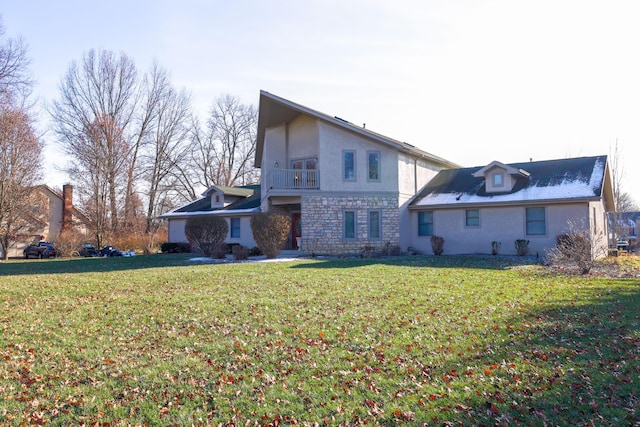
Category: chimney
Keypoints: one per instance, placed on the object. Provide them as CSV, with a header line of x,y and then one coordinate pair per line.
x,y
67,206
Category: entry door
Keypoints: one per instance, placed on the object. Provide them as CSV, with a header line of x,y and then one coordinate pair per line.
x,y
296,229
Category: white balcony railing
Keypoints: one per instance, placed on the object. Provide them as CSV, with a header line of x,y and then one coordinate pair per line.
x,y
294,179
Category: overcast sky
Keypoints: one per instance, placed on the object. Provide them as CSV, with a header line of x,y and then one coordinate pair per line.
x,y
471,81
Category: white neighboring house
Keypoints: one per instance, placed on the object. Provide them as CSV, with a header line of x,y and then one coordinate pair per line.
x,y
473,207
235,204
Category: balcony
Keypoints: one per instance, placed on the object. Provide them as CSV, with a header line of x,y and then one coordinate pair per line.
x,y
293,179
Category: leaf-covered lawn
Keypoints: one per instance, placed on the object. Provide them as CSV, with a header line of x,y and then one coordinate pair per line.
x,y
435,340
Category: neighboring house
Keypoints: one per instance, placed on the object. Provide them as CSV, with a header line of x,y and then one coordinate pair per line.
x,y
344,187
234,204
473,207
51,213
624,226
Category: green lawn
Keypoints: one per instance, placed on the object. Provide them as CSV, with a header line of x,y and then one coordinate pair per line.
x,y
435,340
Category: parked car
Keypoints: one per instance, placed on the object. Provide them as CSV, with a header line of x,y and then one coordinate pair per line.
x,y
110,251
40,250
88,250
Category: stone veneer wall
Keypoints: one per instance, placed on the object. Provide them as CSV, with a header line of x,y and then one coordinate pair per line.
x,y
322,228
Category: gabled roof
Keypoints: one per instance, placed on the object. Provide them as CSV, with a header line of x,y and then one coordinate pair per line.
x,y
551,180
249,201
510,170
274,111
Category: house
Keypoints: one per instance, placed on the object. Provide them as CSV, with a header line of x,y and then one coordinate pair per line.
x,y
348,190
234,204
344,187
624,226
473,207
51,212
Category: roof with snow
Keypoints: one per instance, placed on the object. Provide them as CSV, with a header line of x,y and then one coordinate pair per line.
x,y
248,201
551,180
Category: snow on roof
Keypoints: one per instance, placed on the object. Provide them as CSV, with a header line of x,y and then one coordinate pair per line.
x,y
564,184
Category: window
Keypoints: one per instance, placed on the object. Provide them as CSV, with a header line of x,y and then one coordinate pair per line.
x,y
498,180
349,165
349,224
234,229
374,225
536,223
373,160
304,175
472,218
425,223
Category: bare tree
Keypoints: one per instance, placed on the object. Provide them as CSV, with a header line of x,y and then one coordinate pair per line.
x,y
20,170
15,78
623,200
94,119
165,145
224,149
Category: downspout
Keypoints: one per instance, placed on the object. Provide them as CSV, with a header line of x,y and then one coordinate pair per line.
x,y
415,176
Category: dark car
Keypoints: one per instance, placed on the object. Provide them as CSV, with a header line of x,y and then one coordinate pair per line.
x,y
40,250
88,250
110,251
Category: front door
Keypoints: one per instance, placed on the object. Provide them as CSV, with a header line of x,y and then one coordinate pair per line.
x,y
296,229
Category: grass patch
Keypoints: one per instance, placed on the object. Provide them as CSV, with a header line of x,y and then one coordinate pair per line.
x,y
433,340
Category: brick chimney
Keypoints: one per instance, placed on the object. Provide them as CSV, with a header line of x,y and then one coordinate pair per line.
x,y
67,206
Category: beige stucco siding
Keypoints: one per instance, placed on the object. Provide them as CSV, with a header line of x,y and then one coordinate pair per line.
x,y
334,141
176,232
302,140
275,139
503,224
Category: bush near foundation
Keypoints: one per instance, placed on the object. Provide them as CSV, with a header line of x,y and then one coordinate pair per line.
x,y
270,231
437,245
204,232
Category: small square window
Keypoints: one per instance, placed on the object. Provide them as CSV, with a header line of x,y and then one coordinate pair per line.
x,y
472,218
498,180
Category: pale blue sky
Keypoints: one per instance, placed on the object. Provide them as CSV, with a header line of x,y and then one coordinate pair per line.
x,y
471,81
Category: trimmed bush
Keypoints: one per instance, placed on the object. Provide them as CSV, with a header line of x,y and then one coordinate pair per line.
x,y
240,253
437,245
495,247
203,232
255,251
270,231
175,248
522,246
220,250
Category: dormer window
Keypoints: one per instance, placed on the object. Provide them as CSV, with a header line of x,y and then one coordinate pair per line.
x,y
500,178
